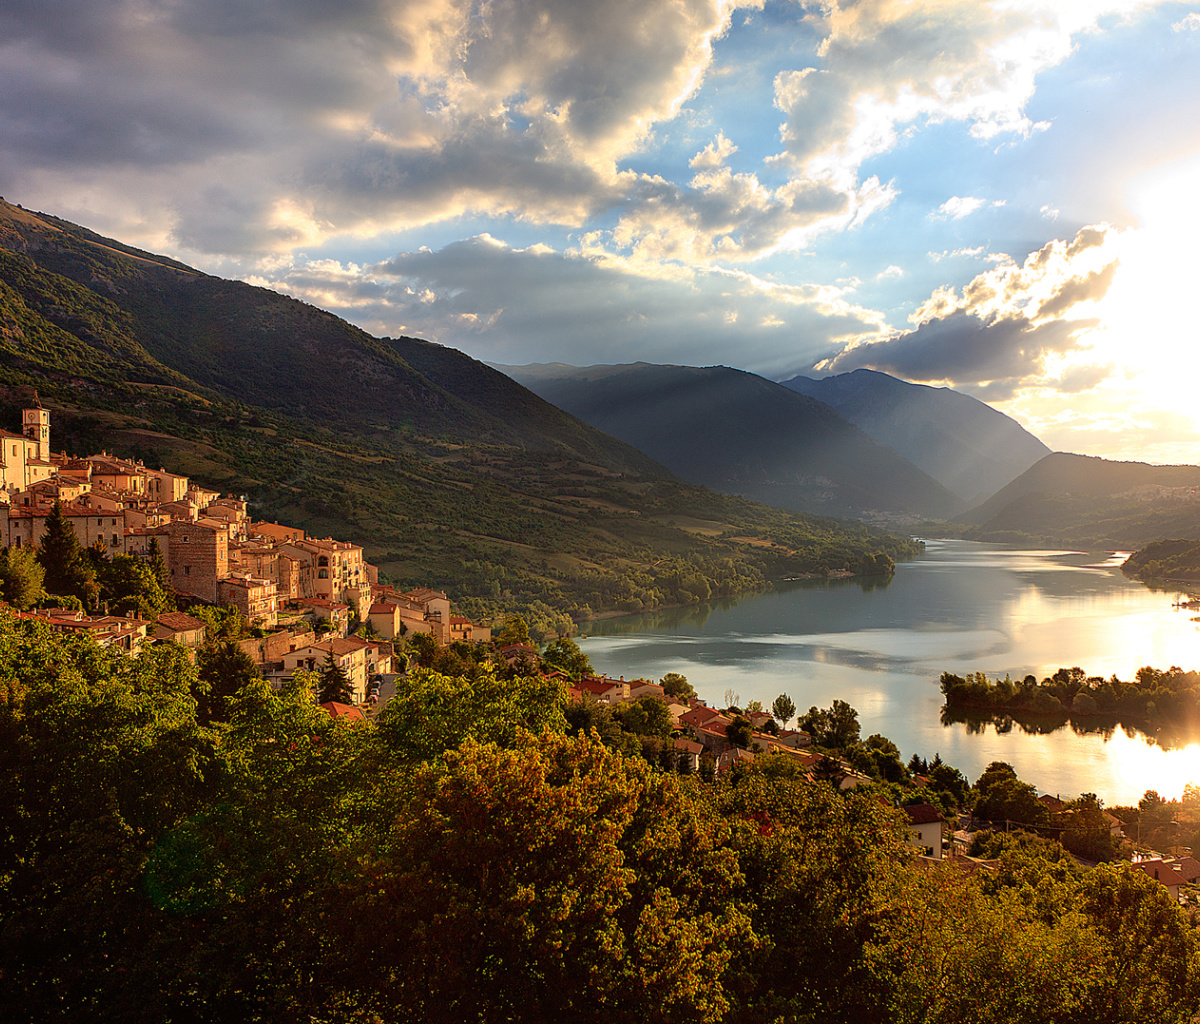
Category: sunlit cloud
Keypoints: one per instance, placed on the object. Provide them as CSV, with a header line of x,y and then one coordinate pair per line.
x,y
1005,326
887,64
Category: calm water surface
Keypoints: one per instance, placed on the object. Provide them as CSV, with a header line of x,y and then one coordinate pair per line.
x,y
964,607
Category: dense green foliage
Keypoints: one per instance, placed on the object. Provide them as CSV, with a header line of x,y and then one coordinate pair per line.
x,y
465,860
447,472
1166,560
1165,703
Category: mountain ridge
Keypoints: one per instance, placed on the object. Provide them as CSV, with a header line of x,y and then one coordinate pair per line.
x,y
740,433
966,445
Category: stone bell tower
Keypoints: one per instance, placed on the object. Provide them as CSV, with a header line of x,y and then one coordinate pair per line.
x,y
35,425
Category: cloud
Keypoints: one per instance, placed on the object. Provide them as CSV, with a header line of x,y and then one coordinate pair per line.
x,y
513,305
350,117
1189,24
1008,326
884,64
957,207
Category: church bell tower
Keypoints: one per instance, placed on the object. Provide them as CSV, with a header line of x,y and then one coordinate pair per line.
x,y
35,425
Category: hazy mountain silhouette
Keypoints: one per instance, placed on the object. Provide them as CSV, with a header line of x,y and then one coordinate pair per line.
x,y
740,433
969,447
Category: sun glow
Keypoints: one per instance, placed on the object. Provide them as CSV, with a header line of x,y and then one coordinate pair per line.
x,y
1149,316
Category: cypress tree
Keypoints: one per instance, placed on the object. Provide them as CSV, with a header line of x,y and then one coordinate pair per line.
x,y
334,685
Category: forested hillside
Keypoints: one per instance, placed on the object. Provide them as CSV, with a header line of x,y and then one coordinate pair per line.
x,y
1080,500
272,865
446,471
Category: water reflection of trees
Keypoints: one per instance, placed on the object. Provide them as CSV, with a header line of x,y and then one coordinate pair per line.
x,y
977,722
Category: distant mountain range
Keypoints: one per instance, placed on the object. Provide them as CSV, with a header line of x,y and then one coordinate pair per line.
x,y
740,433
967,446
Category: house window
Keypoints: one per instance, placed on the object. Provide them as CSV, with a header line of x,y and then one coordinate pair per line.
x,y
322,574
187,570
114,543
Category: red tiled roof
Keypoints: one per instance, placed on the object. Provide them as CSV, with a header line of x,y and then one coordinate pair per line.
x,y
344,711
179,622
922,814
1160,871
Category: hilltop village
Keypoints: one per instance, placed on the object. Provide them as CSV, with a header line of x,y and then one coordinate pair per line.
x,y
282,582
302,594
314,603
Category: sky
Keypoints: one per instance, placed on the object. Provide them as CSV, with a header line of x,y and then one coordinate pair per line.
x,y
999,197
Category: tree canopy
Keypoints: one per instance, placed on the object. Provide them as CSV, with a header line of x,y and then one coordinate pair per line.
x,y
464,859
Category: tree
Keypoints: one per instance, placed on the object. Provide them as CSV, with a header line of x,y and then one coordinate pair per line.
x,y
564,654
435,713
739,732
1001,796
423,646
1087,833
515,630
555,879
223,668
158,565
67,568
333,685
677,686
835,727
128,584
783,708
21,577
646,716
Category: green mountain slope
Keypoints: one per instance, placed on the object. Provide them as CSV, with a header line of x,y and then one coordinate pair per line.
x,y
967,446
1080,500
739,433
449,473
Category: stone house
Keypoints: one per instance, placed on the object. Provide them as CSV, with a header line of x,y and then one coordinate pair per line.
x,y
197,555
348,654
254,598
181,628
333,570
334,612
23,526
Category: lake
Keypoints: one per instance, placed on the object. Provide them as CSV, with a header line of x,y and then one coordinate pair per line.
x,y
962,607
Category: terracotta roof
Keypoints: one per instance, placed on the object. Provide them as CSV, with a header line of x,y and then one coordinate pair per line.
x,y
344,711
1189,867
698,716
180,622
1160,871
922,814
